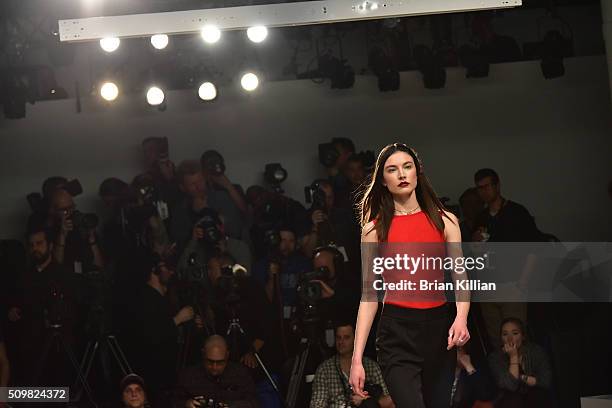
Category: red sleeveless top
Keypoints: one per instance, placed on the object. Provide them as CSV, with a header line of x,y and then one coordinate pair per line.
x,y
413,229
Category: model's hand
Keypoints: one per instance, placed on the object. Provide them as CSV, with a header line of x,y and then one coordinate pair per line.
x,y
357,379
458,333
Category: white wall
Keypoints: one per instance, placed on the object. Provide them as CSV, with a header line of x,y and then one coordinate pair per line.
x,y
549,140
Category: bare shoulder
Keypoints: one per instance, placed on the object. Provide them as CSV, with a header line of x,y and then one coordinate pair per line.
x,y
450,218
368,233
452,232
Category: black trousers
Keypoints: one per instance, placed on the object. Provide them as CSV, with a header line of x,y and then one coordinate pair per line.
x,y
411,346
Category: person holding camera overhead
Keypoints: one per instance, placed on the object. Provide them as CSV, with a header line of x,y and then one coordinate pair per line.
x,y
76,243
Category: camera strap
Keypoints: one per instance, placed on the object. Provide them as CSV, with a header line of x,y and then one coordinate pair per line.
x,y
345,385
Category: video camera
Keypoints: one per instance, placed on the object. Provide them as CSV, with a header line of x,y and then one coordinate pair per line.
x,y
310,292
209,221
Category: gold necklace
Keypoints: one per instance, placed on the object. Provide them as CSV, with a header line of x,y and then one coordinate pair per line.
x,y
402,212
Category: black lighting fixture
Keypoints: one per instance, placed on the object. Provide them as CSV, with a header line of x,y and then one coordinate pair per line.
x,y
553,49
341,74
430,66
15,89
382,65
475,61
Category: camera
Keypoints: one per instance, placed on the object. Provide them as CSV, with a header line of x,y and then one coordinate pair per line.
x,y
209,222
310,292
84,222
315,195
208,403
213,162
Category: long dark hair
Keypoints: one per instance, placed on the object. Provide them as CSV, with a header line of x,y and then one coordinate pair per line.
x,y
377,202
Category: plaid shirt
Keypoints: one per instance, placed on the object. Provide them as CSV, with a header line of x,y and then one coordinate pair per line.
x,y
328,389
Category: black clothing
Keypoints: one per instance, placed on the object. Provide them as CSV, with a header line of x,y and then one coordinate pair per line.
x,y
416,366
234,387
151,338
512,223
256,319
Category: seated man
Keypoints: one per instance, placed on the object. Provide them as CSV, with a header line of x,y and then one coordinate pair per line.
x,y
133,393
331,388
223,381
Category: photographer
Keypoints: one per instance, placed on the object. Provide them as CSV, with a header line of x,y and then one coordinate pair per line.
x,y
279,272
76,244
226,383
334,157
198,197
48,297
332,226
336,295
270,210
208,237
39,204
236,296
161,169
151,327
331,387
355,172
223,196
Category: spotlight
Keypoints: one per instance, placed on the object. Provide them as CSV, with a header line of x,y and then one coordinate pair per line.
x,y
475,61
554,47
342,75
207,91
382,66
434,74
159,41
109,91
155,96
110,44
257,34
210,34
249,82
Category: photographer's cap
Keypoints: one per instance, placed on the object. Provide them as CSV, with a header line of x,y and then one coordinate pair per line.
x,y
131,379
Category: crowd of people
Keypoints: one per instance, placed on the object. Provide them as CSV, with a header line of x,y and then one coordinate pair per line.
x,y
213,293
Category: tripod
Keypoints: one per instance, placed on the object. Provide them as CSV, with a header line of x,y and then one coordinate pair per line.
x,y
58,340
299,364
235,330
103,343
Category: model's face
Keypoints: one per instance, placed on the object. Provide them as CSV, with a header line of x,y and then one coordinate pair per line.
x,y
487,190
400,174
512,335
345,338
133,396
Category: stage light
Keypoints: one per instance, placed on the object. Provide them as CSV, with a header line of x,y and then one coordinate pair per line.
x,y
155,96
382,66
159,41
257,34
554,47
210,34
110,44
434,74
109,91
475,61
341,74
249,82
207,91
